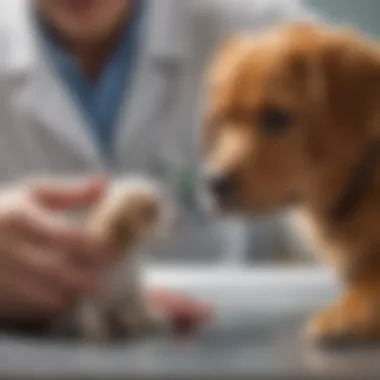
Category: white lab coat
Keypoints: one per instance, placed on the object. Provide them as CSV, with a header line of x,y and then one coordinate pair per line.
x,y
42,130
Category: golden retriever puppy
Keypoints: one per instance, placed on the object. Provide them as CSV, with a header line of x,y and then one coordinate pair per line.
x,y
133,212
292,118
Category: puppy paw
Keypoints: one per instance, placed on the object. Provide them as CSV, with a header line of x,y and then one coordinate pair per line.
x,y
134,211
352,319
82,323
94,329
328,327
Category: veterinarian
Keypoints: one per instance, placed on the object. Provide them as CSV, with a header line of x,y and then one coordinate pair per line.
x,y
94,86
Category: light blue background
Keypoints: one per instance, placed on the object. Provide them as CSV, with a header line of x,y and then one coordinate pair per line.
x,y
363,14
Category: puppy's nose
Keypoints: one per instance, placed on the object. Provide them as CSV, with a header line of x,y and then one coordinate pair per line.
x,y
222,185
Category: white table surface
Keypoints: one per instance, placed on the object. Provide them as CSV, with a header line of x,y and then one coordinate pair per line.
x,y
256,331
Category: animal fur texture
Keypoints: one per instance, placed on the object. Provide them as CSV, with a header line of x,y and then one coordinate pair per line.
x,y
134,211
292,119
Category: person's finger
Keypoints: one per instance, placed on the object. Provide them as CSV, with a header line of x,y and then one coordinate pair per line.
x,y
59,231
27,296
50,267
66,194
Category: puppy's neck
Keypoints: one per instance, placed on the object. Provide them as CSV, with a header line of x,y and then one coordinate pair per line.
x,y
339,191
358,185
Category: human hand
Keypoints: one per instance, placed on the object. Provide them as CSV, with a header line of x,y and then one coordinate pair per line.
x,y
40,248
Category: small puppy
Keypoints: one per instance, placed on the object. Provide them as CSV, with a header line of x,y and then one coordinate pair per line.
x,y
292,118
133,212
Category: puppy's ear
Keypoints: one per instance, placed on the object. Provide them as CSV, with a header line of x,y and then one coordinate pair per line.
x,y
341,84
352,74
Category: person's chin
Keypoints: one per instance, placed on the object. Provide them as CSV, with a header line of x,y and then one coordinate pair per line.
x,y
85,31
84,36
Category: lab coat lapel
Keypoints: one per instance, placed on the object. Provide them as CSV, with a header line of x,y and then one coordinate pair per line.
x,y
134,136
58,116
167,43
47,101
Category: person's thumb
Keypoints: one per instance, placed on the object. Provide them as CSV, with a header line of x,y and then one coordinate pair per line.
x,y
67,194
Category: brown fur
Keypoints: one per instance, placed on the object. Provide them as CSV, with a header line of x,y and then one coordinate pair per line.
x,y
328,80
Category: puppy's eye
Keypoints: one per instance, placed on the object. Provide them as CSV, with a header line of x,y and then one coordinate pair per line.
x,y
274,119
